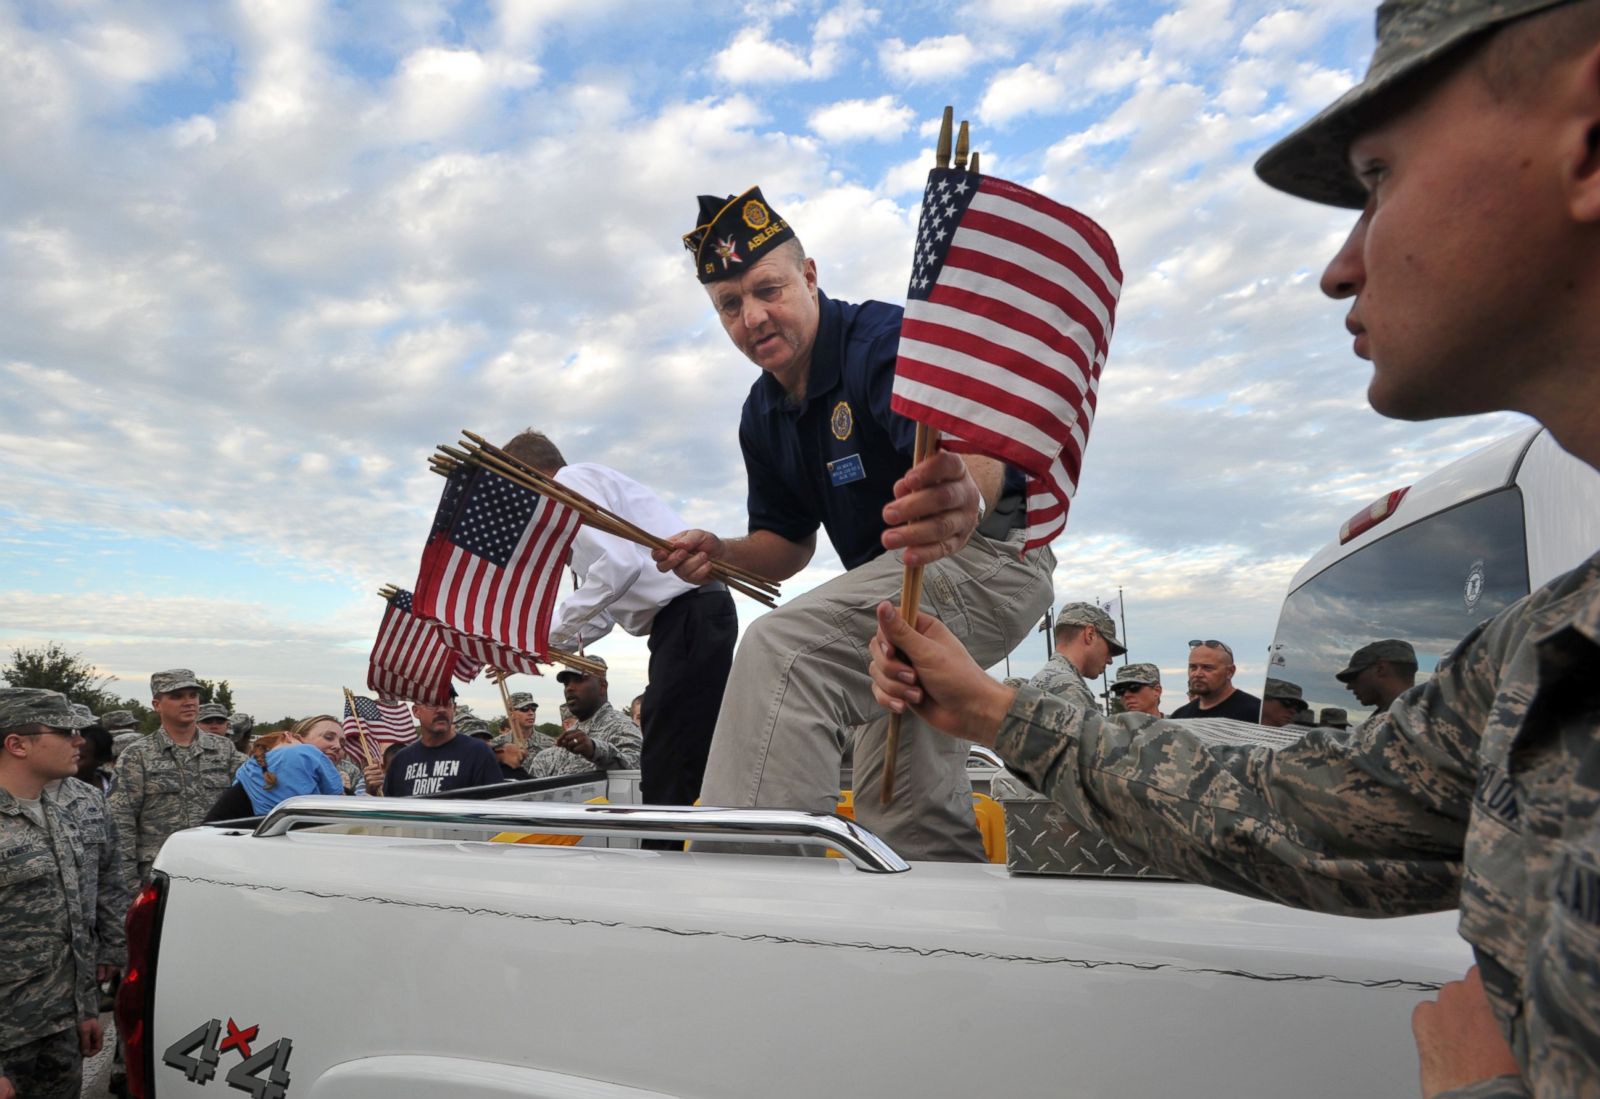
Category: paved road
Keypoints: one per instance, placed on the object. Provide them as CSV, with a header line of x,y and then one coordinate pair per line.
x,y
97,1070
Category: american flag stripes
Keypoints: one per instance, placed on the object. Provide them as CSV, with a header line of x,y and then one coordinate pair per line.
x,y
411,659
386,723
1008,319
493,561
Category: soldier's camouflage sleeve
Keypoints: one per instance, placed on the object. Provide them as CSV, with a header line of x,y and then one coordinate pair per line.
x,y
1370,825
617,741
112,899
126,799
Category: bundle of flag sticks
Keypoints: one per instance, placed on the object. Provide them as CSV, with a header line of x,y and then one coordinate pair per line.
x,y
479,452
575,661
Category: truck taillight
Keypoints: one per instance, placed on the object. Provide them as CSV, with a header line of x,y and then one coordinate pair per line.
x,y
136,996
1371,515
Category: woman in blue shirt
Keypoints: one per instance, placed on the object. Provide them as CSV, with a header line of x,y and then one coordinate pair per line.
x,y
285,765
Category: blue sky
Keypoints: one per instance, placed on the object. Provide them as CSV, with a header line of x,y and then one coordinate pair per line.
x,y
257,259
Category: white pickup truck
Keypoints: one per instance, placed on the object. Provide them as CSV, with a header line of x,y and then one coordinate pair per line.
x,y
349,948
352,948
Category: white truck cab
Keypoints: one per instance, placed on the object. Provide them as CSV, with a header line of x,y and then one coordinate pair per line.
x,y
1428,562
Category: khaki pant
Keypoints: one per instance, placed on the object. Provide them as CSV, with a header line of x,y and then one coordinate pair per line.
x,y
800,682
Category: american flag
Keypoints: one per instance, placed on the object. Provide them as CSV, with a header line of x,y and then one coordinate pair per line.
x,y
387,723
411,659
481,651
1008,318
493,561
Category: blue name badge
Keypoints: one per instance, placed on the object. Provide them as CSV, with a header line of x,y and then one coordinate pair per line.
x,y
845,470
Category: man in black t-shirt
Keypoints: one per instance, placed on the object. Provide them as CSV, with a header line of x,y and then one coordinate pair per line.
x,y
439,759
1211,689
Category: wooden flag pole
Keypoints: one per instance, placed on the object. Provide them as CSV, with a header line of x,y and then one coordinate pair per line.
x,y
927,442
361,726
505,697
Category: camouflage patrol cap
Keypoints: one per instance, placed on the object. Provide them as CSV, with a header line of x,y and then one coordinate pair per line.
x,y
472,725
519,699
1306,717
21,706
1146,675
572,673
1393,650
241,723
1087,614
1333,717
503,740
173,679
122,741
118,719
1283,691
211,711
1312,162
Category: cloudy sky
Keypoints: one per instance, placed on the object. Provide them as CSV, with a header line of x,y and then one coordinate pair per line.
x,y
257,258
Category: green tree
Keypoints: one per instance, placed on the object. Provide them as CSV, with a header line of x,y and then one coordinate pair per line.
x,y
216,690
50,666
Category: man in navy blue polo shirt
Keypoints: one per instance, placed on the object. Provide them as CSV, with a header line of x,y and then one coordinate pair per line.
x,y
821,448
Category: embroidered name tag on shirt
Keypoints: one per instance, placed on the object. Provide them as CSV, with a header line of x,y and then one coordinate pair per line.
x,y
845,470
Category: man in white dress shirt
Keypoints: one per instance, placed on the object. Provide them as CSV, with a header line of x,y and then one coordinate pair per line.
x,y
691,629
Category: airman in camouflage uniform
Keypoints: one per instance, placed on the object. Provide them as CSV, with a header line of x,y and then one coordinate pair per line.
x,y
1085,642
48,996
1479,789
171,778
525,713
105,894
605,740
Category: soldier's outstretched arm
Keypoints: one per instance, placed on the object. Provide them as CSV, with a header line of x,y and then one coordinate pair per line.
x,y
1371,825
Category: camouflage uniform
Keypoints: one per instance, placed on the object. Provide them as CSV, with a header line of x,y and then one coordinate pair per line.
x,y
105,893
617,742
162,787
47,977
350,774
1059,677
1424,809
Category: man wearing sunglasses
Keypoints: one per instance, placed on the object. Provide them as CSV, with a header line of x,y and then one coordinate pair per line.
x,y
49,1001
1211,686
1138,688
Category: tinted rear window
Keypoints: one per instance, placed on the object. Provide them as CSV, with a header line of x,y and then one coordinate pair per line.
x,y
1428,583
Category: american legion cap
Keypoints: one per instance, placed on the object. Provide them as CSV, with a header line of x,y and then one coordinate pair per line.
x,y
1087,614
733,234
1311,162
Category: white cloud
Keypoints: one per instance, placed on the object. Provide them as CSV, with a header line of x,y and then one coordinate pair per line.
x,y
1287,28
880,119
944,57
1026,89
755,58
1027,14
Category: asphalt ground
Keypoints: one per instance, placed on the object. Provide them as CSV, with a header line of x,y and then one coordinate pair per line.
x,y
97,1069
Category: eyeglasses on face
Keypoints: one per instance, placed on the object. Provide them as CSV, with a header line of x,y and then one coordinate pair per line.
x,y
1213,643
64,734
1128,688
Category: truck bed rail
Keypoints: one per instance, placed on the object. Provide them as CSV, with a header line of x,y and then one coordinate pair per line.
x,y
773,826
